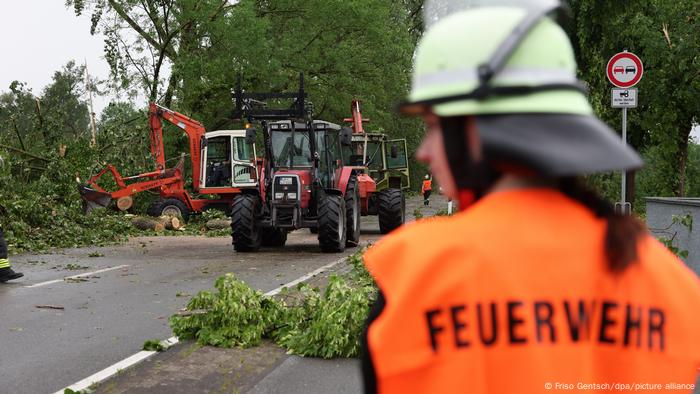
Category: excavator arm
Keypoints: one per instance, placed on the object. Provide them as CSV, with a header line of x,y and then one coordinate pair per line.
x,y
194,130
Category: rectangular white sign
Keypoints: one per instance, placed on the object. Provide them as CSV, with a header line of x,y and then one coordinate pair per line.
x,y
624,98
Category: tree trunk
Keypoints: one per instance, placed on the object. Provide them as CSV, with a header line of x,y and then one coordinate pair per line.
x,y
124,203
170,91
218,224
148,224
171,222
157,224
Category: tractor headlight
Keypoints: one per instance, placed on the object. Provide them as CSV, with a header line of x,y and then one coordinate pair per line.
x,y
292,196
279,196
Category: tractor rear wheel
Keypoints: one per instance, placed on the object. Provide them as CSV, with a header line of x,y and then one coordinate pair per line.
x,y
352,209
245,231
392,209
171,207
274,237
331,224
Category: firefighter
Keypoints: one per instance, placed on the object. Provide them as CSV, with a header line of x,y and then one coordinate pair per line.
x,y
537,283
427,189
6,272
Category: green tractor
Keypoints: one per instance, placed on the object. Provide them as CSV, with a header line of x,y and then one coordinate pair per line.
x,y
386,162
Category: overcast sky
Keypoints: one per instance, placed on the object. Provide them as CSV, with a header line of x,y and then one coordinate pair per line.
x,y
38,37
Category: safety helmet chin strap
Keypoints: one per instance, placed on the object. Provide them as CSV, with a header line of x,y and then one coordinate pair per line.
x,y
472,178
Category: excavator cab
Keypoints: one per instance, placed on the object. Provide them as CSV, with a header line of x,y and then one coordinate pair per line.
x,y
228,160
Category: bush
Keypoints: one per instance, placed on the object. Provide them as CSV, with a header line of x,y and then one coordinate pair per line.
x,y
320,325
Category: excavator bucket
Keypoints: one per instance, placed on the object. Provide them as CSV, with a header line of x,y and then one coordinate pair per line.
x,y
92,198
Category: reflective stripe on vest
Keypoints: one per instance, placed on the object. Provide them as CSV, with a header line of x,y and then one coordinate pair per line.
x,y
4,263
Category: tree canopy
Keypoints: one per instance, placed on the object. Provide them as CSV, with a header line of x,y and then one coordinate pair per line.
x,y
664,35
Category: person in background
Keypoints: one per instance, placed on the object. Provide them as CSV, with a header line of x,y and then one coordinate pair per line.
x,y
537,283
427,189
6,272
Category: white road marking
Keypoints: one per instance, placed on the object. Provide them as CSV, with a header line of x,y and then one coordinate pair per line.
x,y
130,361
305,277
50,282
116,368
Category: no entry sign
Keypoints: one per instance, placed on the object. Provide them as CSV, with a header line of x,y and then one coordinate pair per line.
x,y
625,70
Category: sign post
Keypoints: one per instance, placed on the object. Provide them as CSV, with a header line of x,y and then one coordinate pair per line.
x,y
624,70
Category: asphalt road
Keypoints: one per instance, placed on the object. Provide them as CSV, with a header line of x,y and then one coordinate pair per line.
x,y
107,316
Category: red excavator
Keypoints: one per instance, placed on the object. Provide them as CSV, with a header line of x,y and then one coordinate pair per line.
x,y
224,163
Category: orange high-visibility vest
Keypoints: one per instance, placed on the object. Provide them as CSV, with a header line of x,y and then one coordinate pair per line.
x,y
427,185
514,295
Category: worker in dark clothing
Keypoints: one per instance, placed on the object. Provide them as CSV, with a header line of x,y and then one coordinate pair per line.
x,y
6,272
427,189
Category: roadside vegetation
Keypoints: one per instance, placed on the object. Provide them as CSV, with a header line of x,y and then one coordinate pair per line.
x,y
305,320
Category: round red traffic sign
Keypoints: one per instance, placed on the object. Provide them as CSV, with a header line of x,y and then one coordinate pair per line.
x,y
625,70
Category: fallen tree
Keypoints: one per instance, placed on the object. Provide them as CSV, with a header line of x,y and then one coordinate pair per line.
x,y
303,320
218,224
158,224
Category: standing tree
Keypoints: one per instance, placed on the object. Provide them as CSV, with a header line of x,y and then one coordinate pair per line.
x,y
664,35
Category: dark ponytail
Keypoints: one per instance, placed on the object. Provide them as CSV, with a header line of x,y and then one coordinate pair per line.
x,y
623,232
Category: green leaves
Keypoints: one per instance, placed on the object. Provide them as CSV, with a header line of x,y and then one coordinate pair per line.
x,y
329,325
234,316
153,345
316,324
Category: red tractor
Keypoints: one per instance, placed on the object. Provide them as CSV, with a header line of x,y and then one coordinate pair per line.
x,y
224,164
304,183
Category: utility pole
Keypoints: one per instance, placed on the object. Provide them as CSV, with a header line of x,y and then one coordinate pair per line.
x,y
93,140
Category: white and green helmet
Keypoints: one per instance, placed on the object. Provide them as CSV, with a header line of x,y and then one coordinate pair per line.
x,y
512,68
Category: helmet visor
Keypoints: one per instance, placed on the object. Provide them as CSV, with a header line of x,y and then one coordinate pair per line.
x,y
436,10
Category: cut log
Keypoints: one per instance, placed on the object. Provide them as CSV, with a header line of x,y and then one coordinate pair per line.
x,y
148,224
170,222
218,224
124,203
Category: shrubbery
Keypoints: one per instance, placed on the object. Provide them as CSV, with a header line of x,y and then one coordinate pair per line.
x,y
305,320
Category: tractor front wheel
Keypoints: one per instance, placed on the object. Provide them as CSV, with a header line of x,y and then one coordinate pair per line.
x,y
171,207
391,209
331,224
352,206
245,231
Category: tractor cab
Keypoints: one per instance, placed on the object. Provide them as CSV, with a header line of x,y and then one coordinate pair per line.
x,y
228,160
386,160
302,158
